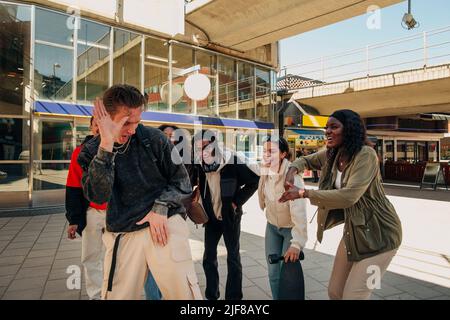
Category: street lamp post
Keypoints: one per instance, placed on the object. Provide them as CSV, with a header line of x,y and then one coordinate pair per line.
x,y
55,65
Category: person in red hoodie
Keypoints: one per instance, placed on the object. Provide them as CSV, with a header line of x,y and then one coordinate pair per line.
x,y
88,220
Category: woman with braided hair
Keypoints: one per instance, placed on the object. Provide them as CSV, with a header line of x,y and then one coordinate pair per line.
x,y
350,192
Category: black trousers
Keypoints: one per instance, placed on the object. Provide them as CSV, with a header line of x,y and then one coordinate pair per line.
x,y
231,230
316,176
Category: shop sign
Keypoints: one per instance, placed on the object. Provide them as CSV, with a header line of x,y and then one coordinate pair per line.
x,y
314,121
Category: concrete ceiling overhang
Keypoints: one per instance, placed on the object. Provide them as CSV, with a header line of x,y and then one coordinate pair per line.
x,y
244,25
413,98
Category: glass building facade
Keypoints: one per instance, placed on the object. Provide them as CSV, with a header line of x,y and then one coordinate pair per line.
x,y
49,57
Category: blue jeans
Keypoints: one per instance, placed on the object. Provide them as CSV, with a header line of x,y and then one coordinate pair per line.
x,y
278,241
151,288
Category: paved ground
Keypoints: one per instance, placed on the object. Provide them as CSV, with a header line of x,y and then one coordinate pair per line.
x,y
35,254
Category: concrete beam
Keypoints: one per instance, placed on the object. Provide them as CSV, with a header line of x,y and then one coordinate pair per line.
x,y
418,97
244,25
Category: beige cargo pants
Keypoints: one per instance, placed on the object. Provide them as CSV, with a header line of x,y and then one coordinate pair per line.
x,y
93,251
130,255
349,280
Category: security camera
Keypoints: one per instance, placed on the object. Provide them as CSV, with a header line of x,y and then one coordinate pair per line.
x,y
409,21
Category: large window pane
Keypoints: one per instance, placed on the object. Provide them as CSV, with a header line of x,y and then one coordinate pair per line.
x,y
156,74
182,58
401,150
227,87
445,149
207,63
263,101
82,131
422,152
49,176
14,139
53,72
14,58
93,60
53,141
389,155
54,27
127,58
274,78
405,151
246,91
54,55
13,177
433,151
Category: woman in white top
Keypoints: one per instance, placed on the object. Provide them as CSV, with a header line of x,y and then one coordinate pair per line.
x,y
286,230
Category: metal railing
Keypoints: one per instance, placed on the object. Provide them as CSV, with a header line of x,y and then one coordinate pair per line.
x,y
420,50
373,82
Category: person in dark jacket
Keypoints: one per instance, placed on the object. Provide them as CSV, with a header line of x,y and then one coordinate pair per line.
x,y
88,219
225,184
181,139
133,168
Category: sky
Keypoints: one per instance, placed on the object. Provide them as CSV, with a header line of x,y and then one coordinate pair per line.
x,y
354,33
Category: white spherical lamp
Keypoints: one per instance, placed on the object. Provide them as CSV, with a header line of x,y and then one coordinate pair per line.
x,y
197,86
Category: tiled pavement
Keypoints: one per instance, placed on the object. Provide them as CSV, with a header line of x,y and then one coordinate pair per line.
x,y
35,254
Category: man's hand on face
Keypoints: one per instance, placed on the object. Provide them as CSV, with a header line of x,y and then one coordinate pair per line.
x,y
158,227
109,130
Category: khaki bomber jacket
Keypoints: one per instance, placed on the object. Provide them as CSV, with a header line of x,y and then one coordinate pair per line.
x,y
371,225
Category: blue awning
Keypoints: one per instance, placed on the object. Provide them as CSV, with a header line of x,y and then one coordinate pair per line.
x,y
62,108
58,108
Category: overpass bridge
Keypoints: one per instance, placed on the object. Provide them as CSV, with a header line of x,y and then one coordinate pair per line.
x,y
423,90
404,76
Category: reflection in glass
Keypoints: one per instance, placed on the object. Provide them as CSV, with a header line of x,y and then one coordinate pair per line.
x,y
421,152
433,152
53,72
273,76
14,58
53,141
182,58
13,177
127,58
50,176
14,139
227,87
156,74
245,91
93,60
445,149
82,131
54,27
207,63
389,155
405,151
